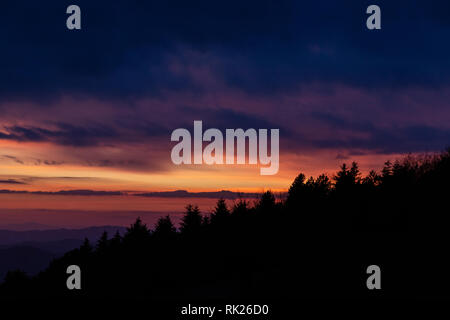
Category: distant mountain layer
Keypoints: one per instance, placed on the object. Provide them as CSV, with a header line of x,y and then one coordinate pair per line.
x,y
32,251
8,237
224,194
28,259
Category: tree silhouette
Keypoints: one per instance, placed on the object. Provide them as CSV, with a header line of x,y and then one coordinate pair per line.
x,y
296,193
164,228
266,203
206,221
86,247
393,217
102,243
322,185
240,208
346,178
191,221
137,232
220,213
116,240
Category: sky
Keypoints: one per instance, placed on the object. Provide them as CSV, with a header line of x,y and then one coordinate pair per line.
x,y
94,109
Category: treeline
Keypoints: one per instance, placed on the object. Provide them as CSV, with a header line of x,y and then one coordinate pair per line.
x,y
317,242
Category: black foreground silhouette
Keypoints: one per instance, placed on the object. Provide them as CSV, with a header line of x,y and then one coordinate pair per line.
x,y
317,242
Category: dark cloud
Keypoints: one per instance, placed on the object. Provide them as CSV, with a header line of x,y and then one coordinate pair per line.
x,y
36,162
11,181
125,49
390,139
342,157
167,50
31,179
222,118
67,192
115,163
78,135
52,162
15,159
83,193
64,134
130,130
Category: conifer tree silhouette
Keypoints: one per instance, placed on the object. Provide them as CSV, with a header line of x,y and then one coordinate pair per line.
x,y
116,240
206,221
86,247
103,242
346,179
220,213
297,193
321,221
266,203
15,282
191,221
164,228
137,232
240,208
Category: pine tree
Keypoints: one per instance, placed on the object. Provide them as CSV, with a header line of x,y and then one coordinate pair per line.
x,y
346,178
220,213
266,203
137,233
296,189
116,240
86,247
164,227
102,243
240,208
191,221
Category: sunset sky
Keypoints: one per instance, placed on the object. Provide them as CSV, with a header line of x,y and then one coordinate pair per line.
x,y
94,108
